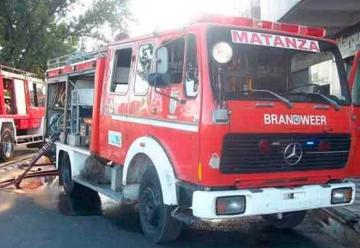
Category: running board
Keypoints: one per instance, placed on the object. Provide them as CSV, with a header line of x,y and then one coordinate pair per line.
x,y
28,139
104,189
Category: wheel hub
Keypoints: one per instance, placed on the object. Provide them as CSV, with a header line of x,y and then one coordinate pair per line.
x,y
151,207
66,176
7,148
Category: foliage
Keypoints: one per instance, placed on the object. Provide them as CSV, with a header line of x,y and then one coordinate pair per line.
x,y
33,31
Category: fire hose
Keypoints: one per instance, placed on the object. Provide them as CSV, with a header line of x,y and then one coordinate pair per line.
x,y
43,151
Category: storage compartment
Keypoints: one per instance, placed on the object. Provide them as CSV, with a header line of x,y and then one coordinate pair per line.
x,y
71,100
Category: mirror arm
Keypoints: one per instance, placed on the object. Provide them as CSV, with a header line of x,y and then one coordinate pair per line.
x,y
182,101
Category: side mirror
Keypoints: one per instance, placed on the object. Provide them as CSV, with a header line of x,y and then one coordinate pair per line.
x,y
162,63
159,80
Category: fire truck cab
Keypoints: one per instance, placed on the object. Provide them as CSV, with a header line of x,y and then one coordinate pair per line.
x,y
224,118
22,102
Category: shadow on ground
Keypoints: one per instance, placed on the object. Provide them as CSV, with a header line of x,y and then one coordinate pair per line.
x,y
46,217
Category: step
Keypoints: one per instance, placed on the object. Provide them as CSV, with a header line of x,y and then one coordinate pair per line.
x,y
29,136
101,188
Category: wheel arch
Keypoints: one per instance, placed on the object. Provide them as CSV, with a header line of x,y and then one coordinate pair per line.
x,y
147,149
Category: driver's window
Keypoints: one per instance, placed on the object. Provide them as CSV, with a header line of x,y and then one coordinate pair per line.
x,y
191,77
37,94
176,60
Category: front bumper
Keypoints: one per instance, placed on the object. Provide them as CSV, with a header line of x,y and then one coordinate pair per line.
x,y
269,200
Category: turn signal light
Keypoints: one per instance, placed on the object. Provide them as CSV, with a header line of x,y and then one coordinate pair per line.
x,y
230,205
341,195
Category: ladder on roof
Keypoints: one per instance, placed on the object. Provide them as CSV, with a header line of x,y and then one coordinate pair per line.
x,y
72,58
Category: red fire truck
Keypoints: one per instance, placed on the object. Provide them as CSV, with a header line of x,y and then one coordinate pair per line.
x,y
22,102
224,118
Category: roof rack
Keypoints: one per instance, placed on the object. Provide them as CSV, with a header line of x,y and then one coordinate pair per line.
x,y
17,73
72,58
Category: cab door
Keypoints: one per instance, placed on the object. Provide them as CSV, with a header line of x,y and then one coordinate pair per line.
x,y
113,123
354,83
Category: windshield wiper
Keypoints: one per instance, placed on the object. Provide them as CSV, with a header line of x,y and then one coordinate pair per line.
x,y
287,102
328,99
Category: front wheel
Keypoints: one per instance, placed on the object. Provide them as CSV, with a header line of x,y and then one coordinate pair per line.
x,y
289,220
155,217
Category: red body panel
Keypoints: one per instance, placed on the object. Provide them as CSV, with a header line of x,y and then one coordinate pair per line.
x,y
97,101
84,66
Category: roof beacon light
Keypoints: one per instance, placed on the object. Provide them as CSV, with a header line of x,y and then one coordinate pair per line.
x,y
247,22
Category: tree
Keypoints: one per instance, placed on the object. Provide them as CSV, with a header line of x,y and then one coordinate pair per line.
x,y
33,31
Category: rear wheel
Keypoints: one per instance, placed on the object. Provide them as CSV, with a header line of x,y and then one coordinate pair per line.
x,y
7,145
71,188
289,220
155,217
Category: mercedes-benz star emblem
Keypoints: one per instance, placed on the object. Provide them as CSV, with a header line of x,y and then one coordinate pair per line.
x,y
293,153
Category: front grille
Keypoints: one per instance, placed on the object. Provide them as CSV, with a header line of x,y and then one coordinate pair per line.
x,y
242,153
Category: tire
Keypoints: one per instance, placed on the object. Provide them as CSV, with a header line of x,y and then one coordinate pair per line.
x,y
7,145
289,220
155,217
71,188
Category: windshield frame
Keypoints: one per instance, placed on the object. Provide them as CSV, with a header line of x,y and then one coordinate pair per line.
x,y
343,80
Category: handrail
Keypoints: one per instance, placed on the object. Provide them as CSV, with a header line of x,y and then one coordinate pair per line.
x,y
13,72
17,71
72,58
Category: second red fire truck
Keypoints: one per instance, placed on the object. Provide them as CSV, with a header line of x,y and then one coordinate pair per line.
x,y
224,118
22,101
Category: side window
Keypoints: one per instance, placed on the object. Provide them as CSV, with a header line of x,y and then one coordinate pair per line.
x,y
191,78
176,60
32,92
143,69
121,71
37,94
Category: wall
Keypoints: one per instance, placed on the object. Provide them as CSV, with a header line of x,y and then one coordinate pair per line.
x,y
273,10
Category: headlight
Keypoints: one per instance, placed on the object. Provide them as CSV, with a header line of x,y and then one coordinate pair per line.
x,y
341,195
222,52
230,205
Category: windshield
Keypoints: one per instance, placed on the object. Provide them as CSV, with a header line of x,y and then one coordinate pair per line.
x,y
300,70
